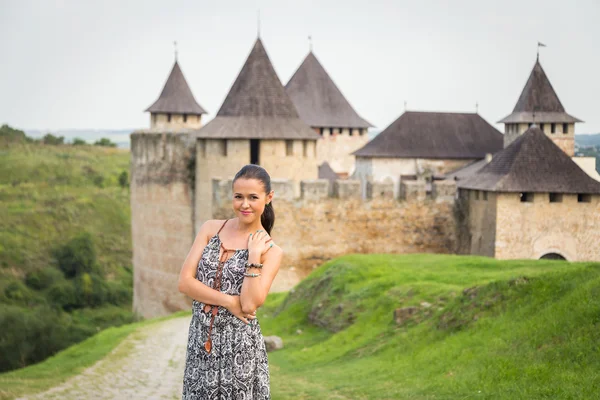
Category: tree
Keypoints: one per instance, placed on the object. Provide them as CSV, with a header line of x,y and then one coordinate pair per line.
x,y
105,142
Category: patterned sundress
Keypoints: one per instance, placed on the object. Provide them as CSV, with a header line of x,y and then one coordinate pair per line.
x,y
237,366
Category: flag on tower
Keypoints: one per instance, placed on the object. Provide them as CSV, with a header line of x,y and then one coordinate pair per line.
x,y
540,44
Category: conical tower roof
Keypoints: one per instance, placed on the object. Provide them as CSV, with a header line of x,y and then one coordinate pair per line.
x,y
318,100
531,163
176,96
257,105
257,91
538,101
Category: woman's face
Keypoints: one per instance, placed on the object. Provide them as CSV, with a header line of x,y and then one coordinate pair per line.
x,y
249,199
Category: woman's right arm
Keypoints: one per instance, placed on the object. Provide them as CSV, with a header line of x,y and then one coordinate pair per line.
x,y
188,284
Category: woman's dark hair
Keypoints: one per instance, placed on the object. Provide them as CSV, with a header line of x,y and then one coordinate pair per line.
x,y
253,171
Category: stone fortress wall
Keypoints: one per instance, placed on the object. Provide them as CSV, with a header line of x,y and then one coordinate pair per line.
x,y
322,224
162,215
312,226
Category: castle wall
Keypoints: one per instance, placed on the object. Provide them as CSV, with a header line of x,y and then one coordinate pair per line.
x,y
300,165
161,121
335,148
161,219
477,222
532,229
315,227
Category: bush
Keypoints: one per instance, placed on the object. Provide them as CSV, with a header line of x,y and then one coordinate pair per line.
x,y
43,278
124,179
105,142
77,256
78,142
17,293
53,140
29,336
91,290
8,134
64,295
118,294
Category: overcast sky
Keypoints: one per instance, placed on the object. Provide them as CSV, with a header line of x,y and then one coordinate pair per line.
x,y
99,64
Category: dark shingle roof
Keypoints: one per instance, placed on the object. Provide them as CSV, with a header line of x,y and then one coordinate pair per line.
x,y
257,91
538,101
176,96
318,100
435,135
466,170
257,106
531,163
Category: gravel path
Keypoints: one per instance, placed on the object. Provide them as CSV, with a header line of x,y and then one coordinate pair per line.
x,y
148,364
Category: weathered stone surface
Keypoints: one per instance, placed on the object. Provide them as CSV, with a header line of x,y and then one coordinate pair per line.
x,y
316,189
347,189
412,190
443,190
273,343
380,190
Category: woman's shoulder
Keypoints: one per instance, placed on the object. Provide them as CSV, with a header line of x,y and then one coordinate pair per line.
x,y
211,227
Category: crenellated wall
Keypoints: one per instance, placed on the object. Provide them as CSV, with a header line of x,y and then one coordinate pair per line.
x,y
315,227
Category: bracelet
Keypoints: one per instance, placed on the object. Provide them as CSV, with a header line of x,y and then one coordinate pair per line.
x,y
251,275
253,265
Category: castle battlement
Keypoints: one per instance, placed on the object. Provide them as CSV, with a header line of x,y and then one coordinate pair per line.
x,y
321,189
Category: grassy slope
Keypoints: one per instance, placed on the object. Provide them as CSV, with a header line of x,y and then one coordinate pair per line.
x,y
48,194
525,338
528,330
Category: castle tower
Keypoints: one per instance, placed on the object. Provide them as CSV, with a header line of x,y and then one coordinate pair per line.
x,y
325,109
539,104
176,107
257,124
530,201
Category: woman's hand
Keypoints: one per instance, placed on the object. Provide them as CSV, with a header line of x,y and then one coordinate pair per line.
x,y
258,242
235,307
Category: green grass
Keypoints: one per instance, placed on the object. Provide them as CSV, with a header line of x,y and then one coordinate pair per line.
x,y
72,361
493,329
509,338
48,194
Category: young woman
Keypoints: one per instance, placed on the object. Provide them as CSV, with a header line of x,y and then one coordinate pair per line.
x,y
228,273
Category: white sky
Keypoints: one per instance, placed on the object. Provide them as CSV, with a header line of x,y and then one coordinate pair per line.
x,y
99,64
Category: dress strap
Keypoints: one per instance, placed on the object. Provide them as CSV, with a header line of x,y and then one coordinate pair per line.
x,y
222,226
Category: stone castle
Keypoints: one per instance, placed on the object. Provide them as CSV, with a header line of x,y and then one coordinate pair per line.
x,y
429,183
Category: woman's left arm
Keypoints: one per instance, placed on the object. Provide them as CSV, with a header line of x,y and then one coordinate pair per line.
x,y
255,289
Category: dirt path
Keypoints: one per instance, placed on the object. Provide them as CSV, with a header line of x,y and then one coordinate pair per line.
x,y
148,364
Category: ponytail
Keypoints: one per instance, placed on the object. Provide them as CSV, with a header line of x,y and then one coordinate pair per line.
x,y
268,217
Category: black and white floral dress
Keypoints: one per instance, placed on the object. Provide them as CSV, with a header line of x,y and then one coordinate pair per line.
x,y
237,366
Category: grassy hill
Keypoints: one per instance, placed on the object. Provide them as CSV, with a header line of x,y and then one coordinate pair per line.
x,y
480,329
51,195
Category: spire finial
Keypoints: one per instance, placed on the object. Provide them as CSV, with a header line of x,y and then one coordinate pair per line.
x,y
476,107
405,106
175,46
540,44
258,24
310,44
